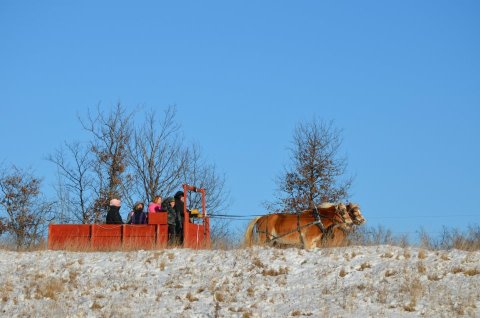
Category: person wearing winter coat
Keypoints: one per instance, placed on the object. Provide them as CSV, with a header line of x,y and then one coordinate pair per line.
x,y
169,206
179,217
137,216
156,205
113,214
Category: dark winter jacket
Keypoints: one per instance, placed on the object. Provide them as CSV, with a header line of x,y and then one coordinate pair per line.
x,y
171,211
179,210
137,217
171,215
113,215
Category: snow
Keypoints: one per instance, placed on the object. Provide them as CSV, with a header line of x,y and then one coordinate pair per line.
x,y
374,281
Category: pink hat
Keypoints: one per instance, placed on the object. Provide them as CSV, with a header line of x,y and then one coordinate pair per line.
x,y
115,202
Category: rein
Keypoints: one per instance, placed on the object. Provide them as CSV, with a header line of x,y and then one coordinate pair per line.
x,y
298,229
327,232
316,214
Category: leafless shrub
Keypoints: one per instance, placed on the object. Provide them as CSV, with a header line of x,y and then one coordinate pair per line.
x,y
96,306
472,272
434,277
387,255
219,297
364,266
421,268
258,263
382,295
5,290
390,272
274,272
190,297
49,288
410,307
224,237
413,287
468,240
372,236
444,257
422,254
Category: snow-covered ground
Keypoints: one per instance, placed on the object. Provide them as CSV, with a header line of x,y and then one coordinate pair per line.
x,y
380,281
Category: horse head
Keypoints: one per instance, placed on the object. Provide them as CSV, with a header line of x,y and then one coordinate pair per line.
x,y
338,213
355,214
342,211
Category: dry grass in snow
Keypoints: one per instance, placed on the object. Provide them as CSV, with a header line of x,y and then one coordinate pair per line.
x,y
255,282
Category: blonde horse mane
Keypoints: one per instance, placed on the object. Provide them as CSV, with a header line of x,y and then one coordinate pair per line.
x,y
325,205
249,231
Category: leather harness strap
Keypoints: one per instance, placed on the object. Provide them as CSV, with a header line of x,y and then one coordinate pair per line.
x,y
327,232
299,231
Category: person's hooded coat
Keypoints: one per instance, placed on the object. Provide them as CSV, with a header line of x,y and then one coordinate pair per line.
x,y
179,205
113,214
137,216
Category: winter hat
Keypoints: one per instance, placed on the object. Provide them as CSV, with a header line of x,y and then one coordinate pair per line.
x,y
115,202
137,205
169,199
179,194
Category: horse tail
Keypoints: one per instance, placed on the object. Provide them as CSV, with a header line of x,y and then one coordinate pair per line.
x,y
249,231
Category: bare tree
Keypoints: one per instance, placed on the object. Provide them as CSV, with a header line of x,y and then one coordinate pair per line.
x,y
157,156
317,169
133,162
160,163
25,212
75,189
202,174
111,134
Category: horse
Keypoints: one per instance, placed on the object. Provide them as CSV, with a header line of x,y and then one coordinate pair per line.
x,y
355,214
325,225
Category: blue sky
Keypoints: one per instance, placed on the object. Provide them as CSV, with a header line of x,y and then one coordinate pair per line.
x,y
401,78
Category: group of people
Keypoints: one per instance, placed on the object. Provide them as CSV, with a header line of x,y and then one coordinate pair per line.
x,y
173,206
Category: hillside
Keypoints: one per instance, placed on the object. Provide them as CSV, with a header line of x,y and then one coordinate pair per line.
x,y
257,282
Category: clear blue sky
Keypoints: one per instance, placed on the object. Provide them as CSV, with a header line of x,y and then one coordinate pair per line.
x,y
401,78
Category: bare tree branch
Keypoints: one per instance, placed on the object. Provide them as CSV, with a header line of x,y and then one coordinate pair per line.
x,y
76,180
157,156
111,137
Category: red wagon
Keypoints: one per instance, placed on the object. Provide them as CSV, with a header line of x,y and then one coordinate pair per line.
x,y
154,235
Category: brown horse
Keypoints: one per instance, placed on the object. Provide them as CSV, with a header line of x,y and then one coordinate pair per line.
x,y
304,229
355,214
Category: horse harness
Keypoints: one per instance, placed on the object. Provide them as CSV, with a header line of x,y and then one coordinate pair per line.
x,y
327,232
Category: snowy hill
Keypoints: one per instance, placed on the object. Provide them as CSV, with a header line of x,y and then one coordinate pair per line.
x,y
258,282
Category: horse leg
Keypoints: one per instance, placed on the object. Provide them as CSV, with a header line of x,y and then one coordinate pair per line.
x,y
308,238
